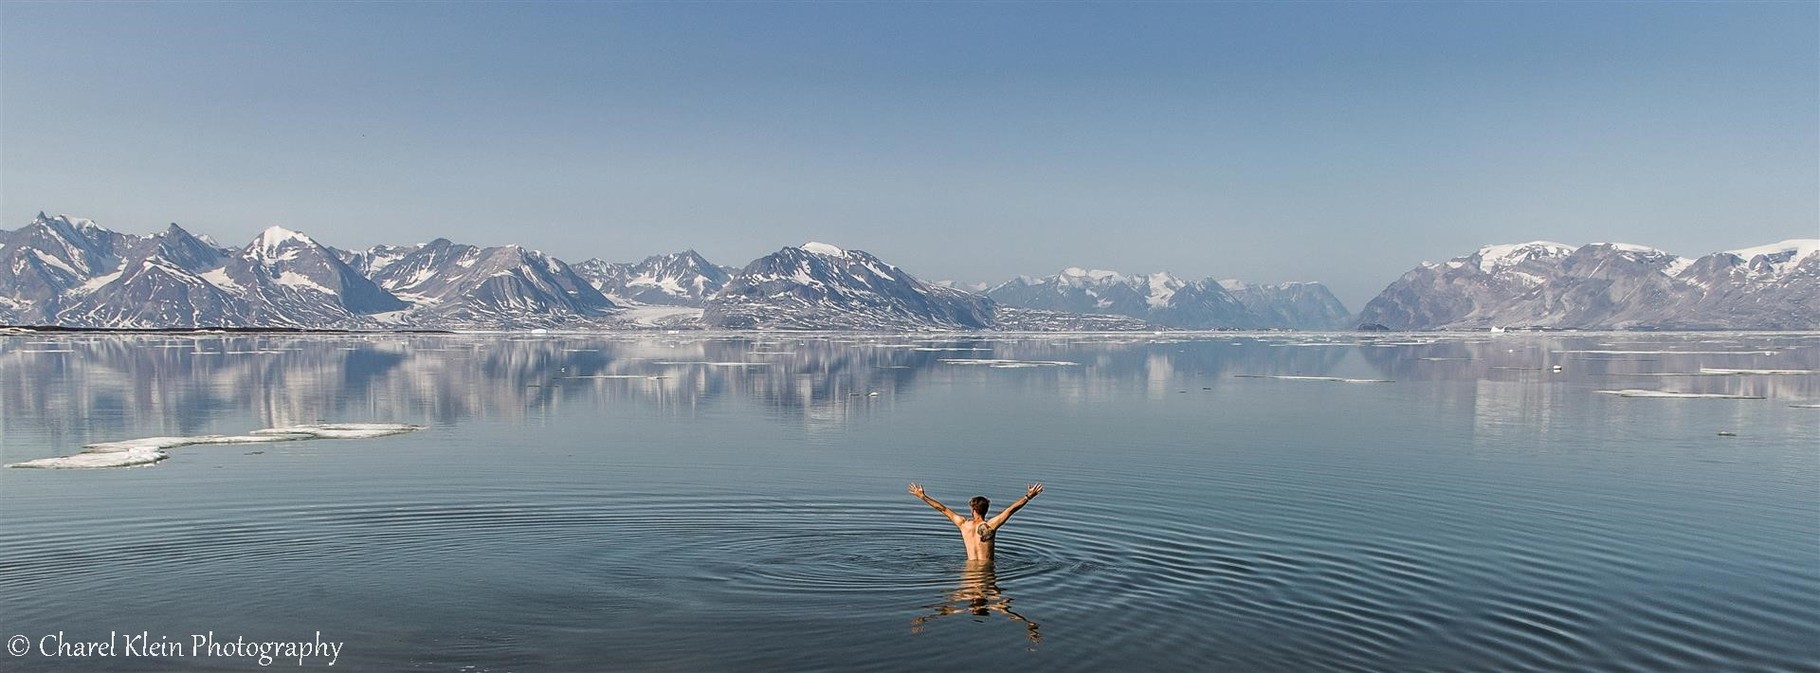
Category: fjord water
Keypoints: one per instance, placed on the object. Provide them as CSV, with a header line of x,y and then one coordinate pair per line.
x,y
736,502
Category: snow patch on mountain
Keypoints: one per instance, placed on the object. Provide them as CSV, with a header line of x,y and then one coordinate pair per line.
x,y
1608,286
824,249
804,288
1167,300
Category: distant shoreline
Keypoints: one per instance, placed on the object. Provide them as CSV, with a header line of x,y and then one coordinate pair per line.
x,y
210,330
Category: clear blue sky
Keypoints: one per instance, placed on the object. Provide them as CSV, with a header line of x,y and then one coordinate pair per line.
x,y
1270,142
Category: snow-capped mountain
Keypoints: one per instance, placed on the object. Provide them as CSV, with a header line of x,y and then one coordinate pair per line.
x,y
72,272
289,279
974,287
49,257
160,283
1608,286
677,279
1167,300
371,261
455,285
1299,306
820,286
1158,297
69,271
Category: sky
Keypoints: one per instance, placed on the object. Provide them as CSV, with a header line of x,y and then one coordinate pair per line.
x,y
1343,143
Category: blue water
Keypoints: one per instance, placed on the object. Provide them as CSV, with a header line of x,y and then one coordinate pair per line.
x,y
1454,504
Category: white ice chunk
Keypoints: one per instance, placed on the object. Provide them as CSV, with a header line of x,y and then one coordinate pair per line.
x,y
711,364
147,450
91,460
1639,392
1009,364
1664,352
1762,372
341,430
1330,379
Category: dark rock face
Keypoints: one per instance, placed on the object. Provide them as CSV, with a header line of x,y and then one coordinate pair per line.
x,y
1607,286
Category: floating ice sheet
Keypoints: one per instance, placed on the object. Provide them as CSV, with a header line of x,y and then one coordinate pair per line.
x,y
1629,352
341,430
1759,372
161,443
1639,392
148,450
710,364
89,460
1330,379
1008,364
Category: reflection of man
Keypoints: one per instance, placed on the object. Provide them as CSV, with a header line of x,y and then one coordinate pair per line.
x,y
979,596
978,532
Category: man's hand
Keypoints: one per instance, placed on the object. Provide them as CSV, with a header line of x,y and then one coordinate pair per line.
x,y
916,489
1029,491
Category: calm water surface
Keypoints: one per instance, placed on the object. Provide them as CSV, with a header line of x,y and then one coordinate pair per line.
x,y
736,502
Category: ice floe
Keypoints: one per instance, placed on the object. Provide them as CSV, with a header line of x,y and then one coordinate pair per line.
x,y
1758,372
1639,392
1008,364
148,450
95,459
340,430
1331,379
710,364
1634,352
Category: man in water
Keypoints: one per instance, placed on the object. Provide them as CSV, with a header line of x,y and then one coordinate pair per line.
x,y
978,532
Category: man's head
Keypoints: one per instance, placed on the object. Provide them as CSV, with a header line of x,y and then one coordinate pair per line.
x,y
979,503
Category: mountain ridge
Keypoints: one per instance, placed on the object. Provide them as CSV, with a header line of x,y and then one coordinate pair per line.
x,y
72,272
1545,285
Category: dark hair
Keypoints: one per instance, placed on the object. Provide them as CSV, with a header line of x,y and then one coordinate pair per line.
x,y
979,503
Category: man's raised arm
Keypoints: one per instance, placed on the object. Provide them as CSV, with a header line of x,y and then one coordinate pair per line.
x,y
1029,492
917,491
